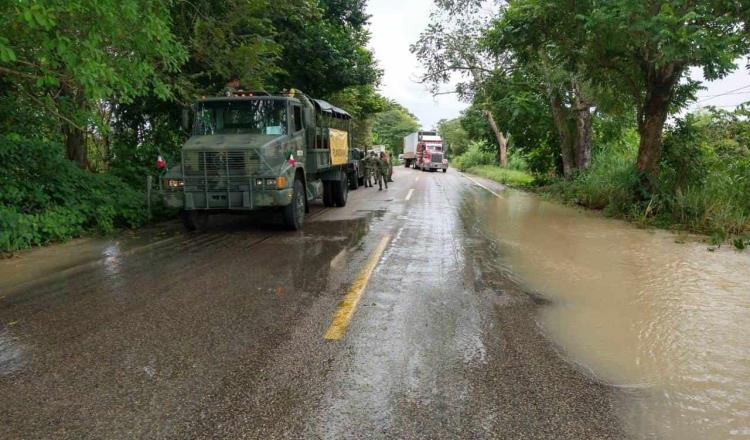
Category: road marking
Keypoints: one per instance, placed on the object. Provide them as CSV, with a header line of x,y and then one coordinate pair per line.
x,y
408,196
479,184
416,179
348,305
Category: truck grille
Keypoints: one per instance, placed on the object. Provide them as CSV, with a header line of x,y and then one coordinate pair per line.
x,y
219,170
436,157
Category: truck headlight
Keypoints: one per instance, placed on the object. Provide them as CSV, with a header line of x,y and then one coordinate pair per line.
x,y
259,183
270,183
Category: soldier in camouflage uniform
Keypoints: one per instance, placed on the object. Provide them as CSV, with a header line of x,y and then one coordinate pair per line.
x,y
369,163
390,167
382,172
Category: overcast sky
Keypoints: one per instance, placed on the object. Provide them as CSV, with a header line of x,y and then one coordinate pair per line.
x,y
395,24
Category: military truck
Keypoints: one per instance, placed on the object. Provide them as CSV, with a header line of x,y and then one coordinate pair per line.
x,y
257,151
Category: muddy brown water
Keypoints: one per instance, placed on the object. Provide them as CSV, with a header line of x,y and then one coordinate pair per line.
x,y
665,322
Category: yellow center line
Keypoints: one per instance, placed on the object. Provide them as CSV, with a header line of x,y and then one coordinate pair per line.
x,y
408,196
348,305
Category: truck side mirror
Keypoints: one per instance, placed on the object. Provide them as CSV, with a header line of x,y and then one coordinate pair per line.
x,y
185,119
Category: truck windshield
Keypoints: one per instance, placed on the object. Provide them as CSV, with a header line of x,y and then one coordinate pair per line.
x,y
263,116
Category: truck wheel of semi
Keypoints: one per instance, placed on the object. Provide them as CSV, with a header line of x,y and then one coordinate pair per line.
x,y
257,151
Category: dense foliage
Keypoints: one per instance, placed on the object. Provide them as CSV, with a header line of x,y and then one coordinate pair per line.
x,y
593,93
392,125
91,92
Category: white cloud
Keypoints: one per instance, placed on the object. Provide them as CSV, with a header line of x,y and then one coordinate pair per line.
x,y
395,25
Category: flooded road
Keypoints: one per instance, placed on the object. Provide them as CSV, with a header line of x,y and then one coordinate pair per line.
x,y
667,322
470,313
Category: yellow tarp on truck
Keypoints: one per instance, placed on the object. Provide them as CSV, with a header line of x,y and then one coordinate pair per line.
x,y
339,147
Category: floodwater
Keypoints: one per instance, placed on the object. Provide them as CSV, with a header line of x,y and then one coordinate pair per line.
x,y
661,318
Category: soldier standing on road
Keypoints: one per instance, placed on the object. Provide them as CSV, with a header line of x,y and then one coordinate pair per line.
x,y
390,167
382,172
370,167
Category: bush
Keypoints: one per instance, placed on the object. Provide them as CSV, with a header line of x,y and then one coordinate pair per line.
x,y
475,155
703,184
45,198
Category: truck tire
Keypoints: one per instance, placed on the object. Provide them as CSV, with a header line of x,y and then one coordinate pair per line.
x,y
340,191
407,164
327,193
353,181
294,213
194,220
445,170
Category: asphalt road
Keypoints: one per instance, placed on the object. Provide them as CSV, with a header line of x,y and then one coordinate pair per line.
x,y
389,318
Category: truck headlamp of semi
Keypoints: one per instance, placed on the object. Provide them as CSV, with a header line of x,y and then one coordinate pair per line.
x,y
259,183
270,183
281,182
175,183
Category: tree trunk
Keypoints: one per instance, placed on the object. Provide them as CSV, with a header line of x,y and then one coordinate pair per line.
x,y
562,124
583,139
74,135
502,140
75,145
653,114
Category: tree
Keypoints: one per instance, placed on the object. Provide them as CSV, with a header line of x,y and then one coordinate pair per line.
x,y
647,47
66,55
364,104
542,42
451,45
392,125
455,138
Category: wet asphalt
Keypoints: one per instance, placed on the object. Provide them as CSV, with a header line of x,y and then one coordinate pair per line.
x,y
220,334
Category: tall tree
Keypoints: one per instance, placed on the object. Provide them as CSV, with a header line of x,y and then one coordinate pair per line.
x,y
392,125
450,47
648,47
66,55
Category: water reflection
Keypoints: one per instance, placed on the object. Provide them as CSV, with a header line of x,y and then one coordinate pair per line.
x,y
11,354
667,322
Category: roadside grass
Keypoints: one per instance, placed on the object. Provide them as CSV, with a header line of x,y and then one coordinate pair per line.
x,y
716,205
503,175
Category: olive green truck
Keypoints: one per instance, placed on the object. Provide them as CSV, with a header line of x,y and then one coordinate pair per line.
x,y
254,151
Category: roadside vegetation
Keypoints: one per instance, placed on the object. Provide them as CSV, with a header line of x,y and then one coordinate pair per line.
x,y
91,92
592,99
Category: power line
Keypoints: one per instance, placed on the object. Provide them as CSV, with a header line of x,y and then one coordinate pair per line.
x,y
729,92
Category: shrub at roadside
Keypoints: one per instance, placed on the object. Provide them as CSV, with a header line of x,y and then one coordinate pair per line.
x,y
45,198
476,154
703,184
481,162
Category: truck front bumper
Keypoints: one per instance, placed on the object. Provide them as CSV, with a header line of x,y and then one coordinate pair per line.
x,y
229,200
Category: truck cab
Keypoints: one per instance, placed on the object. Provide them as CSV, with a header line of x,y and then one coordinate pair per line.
x,y
256,151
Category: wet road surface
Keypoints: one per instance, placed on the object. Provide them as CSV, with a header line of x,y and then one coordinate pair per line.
x,y
222,334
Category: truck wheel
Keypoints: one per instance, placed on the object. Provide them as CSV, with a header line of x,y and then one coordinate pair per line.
x,y
327,193
445,170
353,183
194,220
294,213
340,191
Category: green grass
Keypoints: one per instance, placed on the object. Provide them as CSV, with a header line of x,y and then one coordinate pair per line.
x,y
503,175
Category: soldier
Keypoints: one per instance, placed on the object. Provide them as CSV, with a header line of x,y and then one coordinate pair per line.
x,y
390,167
367,162
382,172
